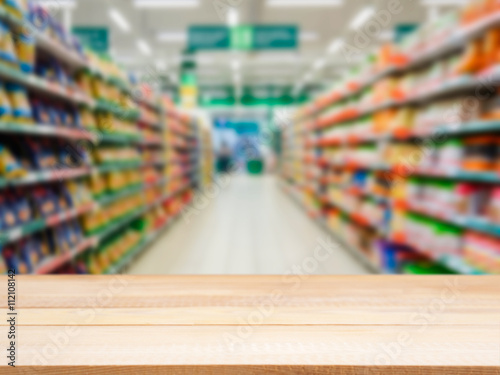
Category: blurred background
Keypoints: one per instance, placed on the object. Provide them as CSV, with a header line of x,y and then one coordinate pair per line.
x,y
250,136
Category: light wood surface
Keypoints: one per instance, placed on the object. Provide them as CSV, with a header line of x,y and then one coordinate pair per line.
x,y
256,325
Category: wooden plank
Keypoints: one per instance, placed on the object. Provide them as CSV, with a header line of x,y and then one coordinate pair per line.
x,y
274,315
256,370
313,291
262,345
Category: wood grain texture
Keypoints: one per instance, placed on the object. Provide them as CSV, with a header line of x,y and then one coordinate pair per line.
x,y
257,325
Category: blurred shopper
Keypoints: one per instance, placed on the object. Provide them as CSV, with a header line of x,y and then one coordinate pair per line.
x,y
224,158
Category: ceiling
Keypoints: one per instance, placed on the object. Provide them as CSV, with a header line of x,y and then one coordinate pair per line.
x,y
319,26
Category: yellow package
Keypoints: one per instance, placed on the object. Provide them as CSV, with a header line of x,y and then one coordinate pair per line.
x,y
97,184
25,49
5,108
9,166
7,49
116,181
21,109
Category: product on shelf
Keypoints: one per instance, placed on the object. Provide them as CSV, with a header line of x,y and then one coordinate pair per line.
x,y
10,167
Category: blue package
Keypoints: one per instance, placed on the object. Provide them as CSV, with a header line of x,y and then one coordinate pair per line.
x,y
8,218
46,202
22,209
30,253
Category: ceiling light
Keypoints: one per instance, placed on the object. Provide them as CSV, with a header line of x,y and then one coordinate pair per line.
x,y
434,3
303,3
172,36
335,45
308,36
166,3
362,17
144,47
232,17
235,64
120,21
319,64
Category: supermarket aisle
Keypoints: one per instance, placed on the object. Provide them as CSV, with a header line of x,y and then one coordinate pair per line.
x,y
252,227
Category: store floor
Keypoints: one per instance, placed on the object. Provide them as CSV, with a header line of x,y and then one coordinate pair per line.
x,y
251,227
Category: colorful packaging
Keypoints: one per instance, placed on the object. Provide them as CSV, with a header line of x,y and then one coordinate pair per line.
x,y
9,166
22,209
7,50
25,50
18,8
46,201
40,154
21,109
14,261
30,253
5,108
8,218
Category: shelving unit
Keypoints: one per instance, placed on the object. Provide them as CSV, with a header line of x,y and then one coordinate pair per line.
x,y
121,142
381,143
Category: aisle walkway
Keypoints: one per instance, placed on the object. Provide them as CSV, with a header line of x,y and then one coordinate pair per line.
x,y
252,227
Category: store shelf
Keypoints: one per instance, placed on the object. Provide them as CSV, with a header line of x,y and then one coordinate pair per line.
x,y
38,225
118,224
454,42
151,142
45,176
134,252
477,224
358,254
43,42
119,139
55,262
119,112
114,197
117,166
44,87
357,217
154,125
48,131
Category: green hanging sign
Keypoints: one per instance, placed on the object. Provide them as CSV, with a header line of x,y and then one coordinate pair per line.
x,y
94,38
243,38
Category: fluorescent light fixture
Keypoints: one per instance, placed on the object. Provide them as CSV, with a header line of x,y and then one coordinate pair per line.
x,y
319,64
232,17
362,17
144,47
172,36
235,65
303,3
335,45
166,3
437,3
66,4
120,21
308,36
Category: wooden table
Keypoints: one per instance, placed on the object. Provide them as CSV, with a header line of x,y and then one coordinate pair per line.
x,y
256,325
